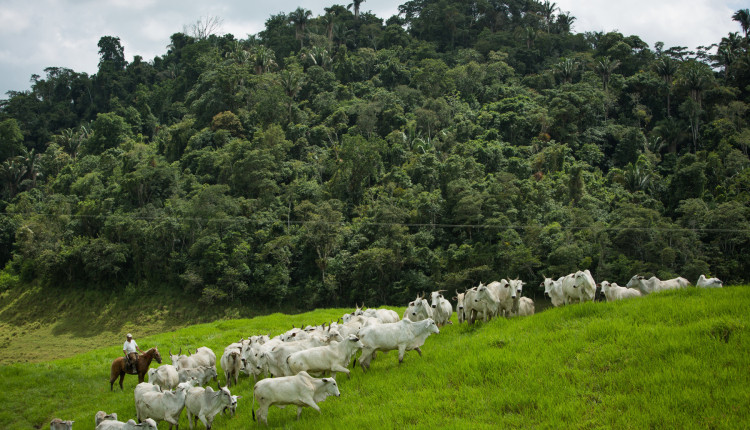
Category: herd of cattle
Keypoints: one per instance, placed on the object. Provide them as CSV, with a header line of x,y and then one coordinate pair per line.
x,y
289,359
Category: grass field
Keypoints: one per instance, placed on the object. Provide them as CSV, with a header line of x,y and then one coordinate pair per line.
x,y
671,360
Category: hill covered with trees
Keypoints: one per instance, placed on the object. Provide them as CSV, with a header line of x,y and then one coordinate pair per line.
x,y
344,158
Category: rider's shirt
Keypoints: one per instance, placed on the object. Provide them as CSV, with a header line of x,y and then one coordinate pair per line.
x,y
130,346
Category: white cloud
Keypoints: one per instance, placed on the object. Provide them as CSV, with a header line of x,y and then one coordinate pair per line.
x,y
40,33
688,23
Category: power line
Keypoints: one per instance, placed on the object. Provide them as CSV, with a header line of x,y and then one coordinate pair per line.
x,y
387,224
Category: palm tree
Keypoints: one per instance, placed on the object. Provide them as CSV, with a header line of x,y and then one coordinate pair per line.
x,y
547,12
566,69
355,4
743,17
291,80
604,68
238,54
565,22
12,170
666,67
671,132
264,59
299,18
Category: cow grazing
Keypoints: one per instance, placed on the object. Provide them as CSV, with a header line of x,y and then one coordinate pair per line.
x,y
148,423
300,390
58,424
418,310
402,336
205,403
525,307
654,285
103,416
441,308
164,376
709,283
522,306
553,290
231,362
232,408
334,357
162,406
201,374
614,292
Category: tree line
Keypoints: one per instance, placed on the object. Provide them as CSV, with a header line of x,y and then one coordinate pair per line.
x,y
343,158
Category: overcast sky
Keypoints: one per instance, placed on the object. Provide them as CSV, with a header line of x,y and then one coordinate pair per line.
x,y
41,33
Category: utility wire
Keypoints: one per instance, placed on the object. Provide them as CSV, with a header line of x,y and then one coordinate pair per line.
x,y
389,224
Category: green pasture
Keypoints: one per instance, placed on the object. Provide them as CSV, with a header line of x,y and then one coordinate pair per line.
x,y
679,359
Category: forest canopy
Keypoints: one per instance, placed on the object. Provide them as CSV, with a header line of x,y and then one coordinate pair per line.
x,y
343,157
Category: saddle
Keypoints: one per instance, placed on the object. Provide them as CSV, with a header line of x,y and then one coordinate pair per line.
x,y
130,366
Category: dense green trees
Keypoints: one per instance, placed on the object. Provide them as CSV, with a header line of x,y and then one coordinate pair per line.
x,y
341,158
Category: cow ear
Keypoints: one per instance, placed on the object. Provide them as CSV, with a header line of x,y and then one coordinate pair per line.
x,y
239,397
325,380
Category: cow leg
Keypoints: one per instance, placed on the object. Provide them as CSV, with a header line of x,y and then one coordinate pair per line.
x,y
190,419
364,359
299,412
206,422
418,350
401,352
338,368
311,403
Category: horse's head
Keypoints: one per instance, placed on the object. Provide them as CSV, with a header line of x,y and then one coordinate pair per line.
x,y
157,356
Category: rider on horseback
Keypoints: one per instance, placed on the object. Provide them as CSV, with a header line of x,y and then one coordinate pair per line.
x,y
131,356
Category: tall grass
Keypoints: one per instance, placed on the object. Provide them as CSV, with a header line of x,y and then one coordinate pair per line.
x,y
670,360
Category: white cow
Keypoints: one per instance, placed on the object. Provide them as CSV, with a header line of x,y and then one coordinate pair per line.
x,y
103,416
202,356
459,298
205,403
164,376
202,374
553,289
613,292
163,406
300,390
578,287
522,306
491,300
441,308
418,310
402,336
709,283
334,357
383,315
58,424
231,362
148,423
232,408
275,360
654,285
144,387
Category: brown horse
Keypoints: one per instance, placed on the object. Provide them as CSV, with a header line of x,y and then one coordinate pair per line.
x,y
119,368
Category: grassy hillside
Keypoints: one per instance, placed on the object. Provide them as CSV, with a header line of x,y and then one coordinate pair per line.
x,y
672,360
41,324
